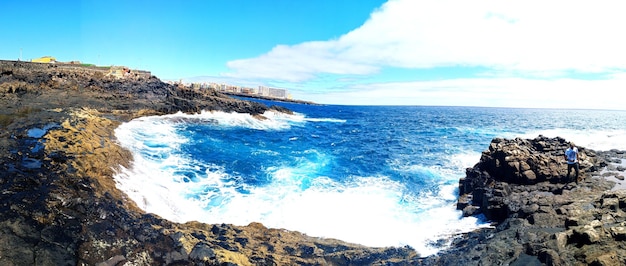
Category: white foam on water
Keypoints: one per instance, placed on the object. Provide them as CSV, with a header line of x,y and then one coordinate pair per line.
x,y
299,118
274,121
463,160
373,211
331,120
370,210
153,143
590,138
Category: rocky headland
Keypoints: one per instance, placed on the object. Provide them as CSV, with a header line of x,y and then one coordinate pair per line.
x,y
539,216
59,204
58,200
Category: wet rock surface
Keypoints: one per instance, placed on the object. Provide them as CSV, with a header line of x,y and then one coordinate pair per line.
x,y
58,200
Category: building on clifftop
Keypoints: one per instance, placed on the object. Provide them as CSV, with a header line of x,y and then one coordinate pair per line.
x,y
44,59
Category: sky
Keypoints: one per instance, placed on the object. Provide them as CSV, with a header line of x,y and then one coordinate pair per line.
x,y
532,54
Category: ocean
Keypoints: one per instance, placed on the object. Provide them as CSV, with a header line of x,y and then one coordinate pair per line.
x,y
373,175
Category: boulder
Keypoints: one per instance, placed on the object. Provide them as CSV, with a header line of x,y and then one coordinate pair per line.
x,y
530,161
513,162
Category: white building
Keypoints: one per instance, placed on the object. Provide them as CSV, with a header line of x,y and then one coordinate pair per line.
x,y
272,92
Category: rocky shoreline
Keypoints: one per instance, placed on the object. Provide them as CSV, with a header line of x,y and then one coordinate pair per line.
x,y
59,204
538,216
58,201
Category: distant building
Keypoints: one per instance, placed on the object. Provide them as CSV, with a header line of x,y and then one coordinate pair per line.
x,y
261,91
246,90
272,92
278,93
45,59
119,72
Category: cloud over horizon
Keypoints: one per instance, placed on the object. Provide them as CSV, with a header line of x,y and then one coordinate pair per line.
x,y
505,35
517,39
493,92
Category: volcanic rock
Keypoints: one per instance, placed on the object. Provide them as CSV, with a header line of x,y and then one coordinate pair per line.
x,y
58,201
539,217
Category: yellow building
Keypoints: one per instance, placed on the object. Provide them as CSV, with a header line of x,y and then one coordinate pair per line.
x,y
119,71
45,59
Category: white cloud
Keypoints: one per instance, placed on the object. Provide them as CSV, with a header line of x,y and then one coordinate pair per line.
x,y
554,42
494,92
511,35
297,63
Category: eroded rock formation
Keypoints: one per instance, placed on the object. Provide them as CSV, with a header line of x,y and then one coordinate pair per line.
x,y
538,216
508,163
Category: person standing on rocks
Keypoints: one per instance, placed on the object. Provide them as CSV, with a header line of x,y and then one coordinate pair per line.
x,y
571,155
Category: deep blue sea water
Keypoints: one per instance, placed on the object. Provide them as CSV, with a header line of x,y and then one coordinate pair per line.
x,y
375,175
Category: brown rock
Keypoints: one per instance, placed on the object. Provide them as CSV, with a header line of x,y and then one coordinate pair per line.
x,y
619,233
610,203
530,176
608,259
550,257
562,238
585,235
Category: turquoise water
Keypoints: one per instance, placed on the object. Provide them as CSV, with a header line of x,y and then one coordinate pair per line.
x,y
375,175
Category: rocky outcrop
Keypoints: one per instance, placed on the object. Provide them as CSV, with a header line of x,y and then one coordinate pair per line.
x,y
58,200
509,163
539,217
521,161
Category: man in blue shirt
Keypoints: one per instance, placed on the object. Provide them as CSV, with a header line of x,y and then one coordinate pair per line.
x,y
571,155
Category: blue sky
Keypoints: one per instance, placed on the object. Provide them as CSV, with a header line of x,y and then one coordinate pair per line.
x,y
556,54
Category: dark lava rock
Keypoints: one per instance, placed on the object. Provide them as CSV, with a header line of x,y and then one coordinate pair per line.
x,y
539,217
58,201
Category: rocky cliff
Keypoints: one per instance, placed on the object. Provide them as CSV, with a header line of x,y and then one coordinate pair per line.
x,y
539,217
58,200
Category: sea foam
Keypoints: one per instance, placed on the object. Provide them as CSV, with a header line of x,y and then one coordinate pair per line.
x,y
371,210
